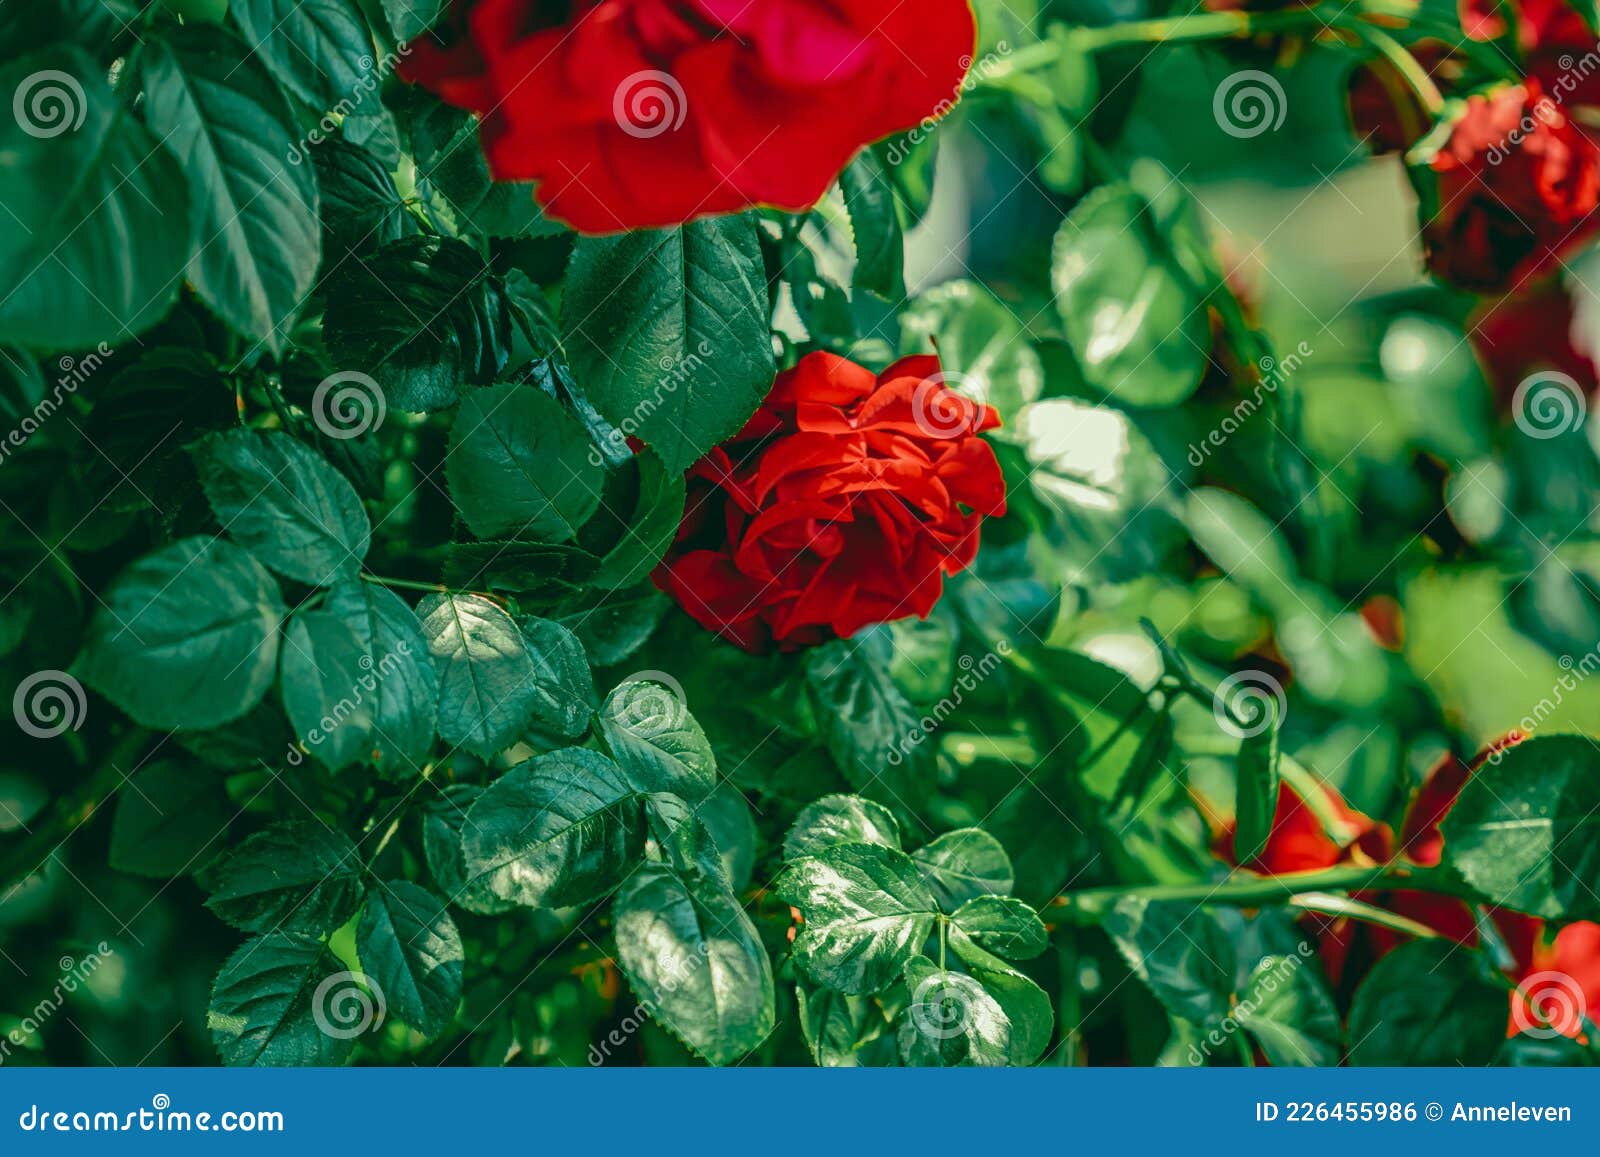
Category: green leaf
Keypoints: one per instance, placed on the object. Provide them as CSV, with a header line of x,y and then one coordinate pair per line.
x,y
962,864
520,465
265,1004
557,830
1525,831
866,912
650,531
450,163
361,208
1256,773
1180,951
728,817
543,571
1429,1002
320,50
409,19
840,819
411,950
836,1026
255,214
396,679
951,1020
695,960
96,213
1025,1004
564,696
875,225
171,819
667,330
295,876
865,720
444,817
422,317
279,499
1287,1007
1139,331
656,741
186,637
488,684
1002,925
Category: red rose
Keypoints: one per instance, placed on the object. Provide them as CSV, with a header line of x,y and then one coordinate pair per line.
x,y
1521,335
844,502
1553,38
1517,185
640,113
1383,107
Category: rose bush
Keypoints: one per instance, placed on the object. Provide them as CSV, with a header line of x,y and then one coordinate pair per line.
x,y
808,532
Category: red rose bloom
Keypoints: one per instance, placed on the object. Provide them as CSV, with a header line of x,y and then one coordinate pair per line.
x,y
1517,185
1553,39
1517,336
844,502
639,113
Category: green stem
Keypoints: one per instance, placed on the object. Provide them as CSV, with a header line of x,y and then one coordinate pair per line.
x,y
1246,890
1408,66
1329,905
407,584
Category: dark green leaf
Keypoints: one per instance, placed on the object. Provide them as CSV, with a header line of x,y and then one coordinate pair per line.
x,y
872,731
875,224
488,685
320,50
657,742
521,466
1180,951
187,637
836,1026
270,1004
1025,1004
564,696
951,1020
295,876
1002,925
667,330
650,530
443,819
962,864
1288,1009
281,500
1429,1002
1256,770
172,818
840,819
560,829
412,952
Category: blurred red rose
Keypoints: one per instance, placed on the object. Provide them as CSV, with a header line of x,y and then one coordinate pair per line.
x,y
1513,187
844,502
640,113
1554,40
1526,333
1384,109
